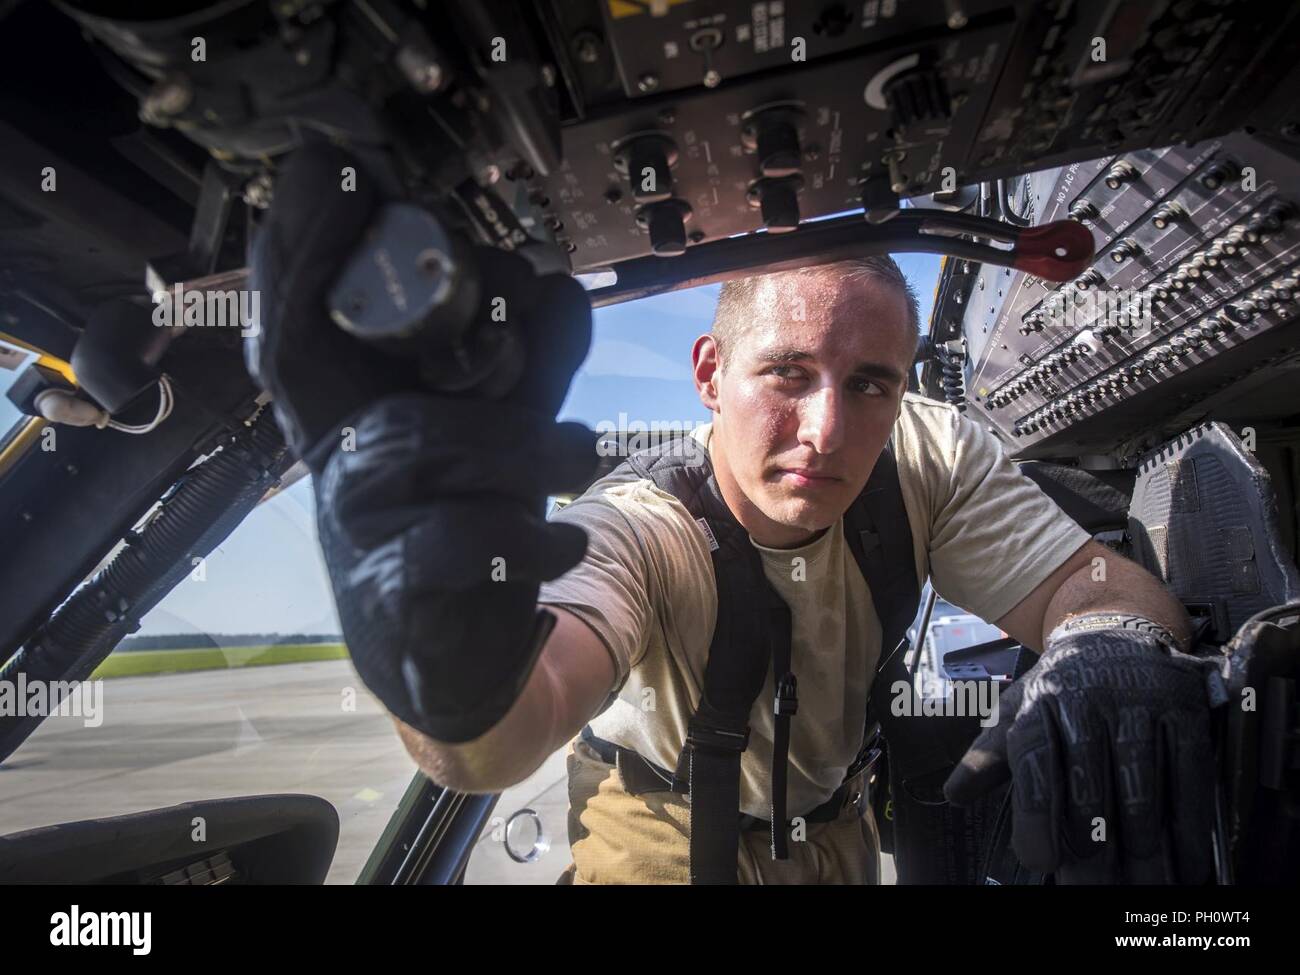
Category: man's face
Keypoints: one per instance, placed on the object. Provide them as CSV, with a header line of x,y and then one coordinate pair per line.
x,y
805,400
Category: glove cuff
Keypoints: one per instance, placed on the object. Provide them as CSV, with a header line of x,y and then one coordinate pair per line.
x,y
1093,622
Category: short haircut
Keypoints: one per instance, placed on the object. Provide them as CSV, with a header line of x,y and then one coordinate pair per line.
x,y
735,308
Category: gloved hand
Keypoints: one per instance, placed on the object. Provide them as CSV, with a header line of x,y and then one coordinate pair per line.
x,y
1107,743
317,374
430,507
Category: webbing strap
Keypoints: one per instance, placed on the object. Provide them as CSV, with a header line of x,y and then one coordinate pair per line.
x,y
718,732
712,755
880,536
784,706
754,624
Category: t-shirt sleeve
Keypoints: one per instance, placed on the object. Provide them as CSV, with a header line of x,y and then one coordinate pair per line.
x,y
994,535
610,589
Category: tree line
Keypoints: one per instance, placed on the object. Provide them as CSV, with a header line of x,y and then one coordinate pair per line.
x,y
193,641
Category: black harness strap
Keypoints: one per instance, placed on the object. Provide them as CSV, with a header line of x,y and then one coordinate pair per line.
x,y
718,732
753,624
784,707
880,538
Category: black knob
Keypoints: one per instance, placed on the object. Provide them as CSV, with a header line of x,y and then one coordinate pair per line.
x,y
1219,173
666,223
917,95
780,205
647,162
772,136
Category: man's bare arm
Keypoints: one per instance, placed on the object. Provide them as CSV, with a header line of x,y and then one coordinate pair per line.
x,y
573,676
1115,585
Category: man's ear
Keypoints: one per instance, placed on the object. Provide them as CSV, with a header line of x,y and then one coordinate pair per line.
x,y
707,370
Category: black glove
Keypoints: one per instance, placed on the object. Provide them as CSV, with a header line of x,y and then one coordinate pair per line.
x,y
430,507
1107,742
317,374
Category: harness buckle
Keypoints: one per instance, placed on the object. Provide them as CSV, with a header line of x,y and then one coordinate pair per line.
x,y
787,697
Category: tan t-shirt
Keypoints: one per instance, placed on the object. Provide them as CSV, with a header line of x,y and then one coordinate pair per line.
x,y
983,532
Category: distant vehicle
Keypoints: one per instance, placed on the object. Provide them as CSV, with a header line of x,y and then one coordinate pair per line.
x,y
951,628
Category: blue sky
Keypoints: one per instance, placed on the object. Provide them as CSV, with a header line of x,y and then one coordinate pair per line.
x,y
269,575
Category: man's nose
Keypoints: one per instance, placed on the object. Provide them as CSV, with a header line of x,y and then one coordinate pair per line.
x,y
821,419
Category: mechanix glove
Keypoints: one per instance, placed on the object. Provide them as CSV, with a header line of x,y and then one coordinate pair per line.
x,y
1107,743
430,507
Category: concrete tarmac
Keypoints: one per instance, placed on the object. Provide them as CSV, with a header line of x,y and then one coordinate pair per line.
x,y
291,728
302,728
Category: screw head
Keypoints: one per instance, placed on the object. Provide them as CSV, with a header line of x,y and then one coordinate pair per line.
x,y
586,47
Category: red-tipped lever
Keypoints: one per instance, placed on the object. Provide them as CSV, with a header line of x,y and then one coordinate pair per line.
x,y
1058,251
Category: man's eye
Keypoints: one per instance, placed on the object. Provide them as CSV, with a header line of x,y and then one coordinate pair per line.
x,y
868,387
780,372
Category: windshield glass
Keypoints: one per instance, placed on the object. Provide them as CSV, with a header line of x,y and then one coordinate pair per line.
x,y
238,682
13,361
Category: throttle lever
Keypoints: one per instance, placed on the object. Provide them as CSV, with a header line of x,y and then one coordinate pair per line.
x,y
1057,251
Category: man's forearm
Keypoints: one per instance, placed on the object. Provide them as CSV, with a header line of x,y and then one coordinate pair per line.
x,y
570,682
505,755
1109,583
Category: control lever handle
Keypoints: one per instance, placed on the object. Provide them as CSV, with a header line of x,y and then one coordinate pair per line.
x,y
412,288
1057,251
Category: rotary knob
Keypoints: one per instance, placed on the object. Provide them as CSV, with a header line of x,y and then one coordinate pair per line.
x,y
666,223
647,162
917,95
778,201
1219,173
772,136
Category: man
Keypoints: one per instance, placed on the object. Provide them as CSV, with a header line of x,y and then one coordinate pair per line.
x,y
805,374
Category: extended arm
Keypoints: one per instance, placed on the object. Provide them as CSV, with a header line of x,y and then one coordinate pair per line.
x,y
572,678
1106,739
1094,580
